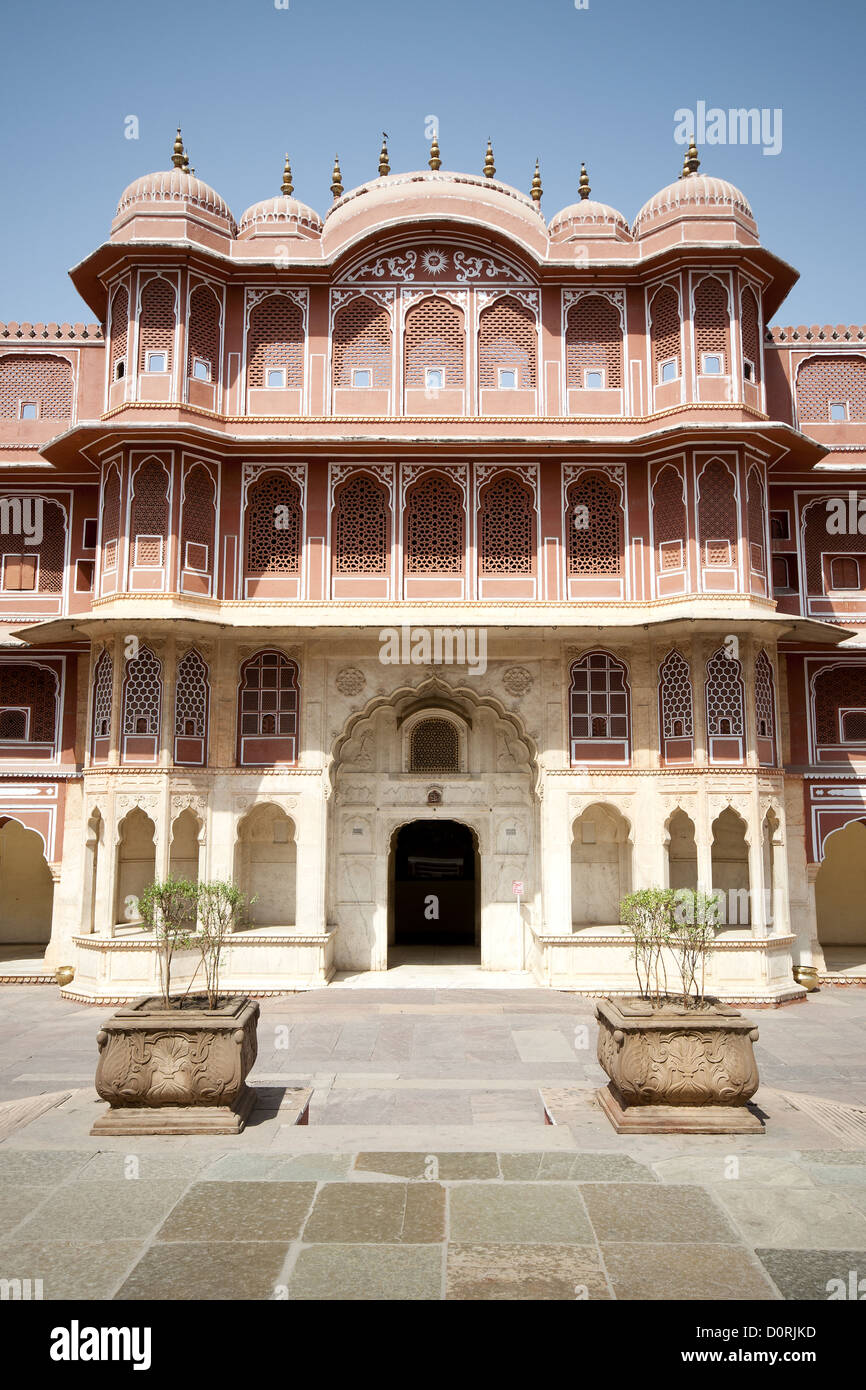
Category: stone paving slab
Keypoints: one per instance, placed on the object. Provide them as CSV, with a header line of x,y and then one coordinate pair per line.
x,y
427,1170
491,1225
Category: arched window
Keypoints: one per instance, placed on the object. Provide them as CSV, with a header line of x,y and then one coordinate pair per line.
x,y
27,569
434,346
198,520
665,335
840,705
507,346
506,527
362,344
192,695
110,521
435,524
434,746
203,335
156,326
725,708
711,327
360,528
274,522
676,716
717,516
275,344
599,710
268,710
765,710
750,329
119,333
832,559
593,344
595,527
832,388
142,701
103,681
35,385
756,514
669,520
28,703
149,515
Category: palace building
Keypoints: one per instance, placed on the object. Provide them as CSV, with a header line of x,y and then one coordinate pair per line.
x,y
441,574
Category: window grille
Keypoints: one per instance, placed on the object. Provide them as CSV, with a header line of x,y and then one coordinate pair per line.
x,y
156,322
506,526
435,526
361,527
36,376
434,746
276,341
142,692
593,338
362,339
507,337
595,548
191,697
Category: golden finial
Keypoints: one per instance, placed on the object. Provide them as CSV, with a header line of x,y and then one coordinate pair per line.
x,y
489,166
177,154
434,161
186,168
287,188
691,162
536,190
583,187
384,165
337,179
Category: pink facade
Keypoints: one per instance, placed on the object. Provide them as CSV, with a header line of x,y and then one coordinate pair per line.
x,y
432,401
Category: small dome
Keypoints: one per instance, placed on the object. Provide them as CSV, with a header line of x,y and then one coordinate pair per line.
x,y
695,195
176,186
279,212
588,219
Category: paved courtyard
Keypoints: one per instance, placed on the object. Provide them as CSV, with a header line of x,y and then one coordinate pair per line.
x,y
429,1168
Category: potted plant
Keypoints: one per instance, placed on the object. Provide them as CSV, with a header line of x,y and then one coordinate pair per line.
x,y
177,1064
678,1062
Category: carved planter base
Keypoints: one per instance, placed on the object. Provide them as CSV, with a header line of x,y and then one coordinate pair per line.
x,y
676,1071
173,1071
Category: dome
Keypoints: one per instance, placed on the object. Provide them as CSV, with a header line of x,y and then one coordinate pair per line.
x,y
176,186
276,213
588,219
429,195
694,195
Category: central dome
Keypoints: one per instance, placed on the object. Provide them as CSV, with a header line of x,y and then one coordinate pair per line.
x,y
428,196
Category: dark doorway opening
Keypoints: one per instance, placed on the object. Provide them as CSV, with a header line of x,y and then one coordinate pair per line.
x,y
434,885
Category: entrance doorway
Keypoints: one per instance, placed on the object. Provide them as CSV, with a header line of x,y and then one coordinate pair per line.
x,y
434,885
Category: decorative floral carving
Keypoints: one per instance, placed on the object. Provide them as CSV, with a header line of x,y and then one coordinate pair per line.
x,y
350,681
517,680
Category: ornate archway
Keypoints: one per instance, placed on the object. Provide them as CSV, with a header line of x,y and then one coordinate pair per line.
x,y
431,752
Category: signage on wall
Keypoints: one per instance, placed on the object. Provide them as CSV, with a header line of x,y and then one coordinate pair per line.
x,y
517,887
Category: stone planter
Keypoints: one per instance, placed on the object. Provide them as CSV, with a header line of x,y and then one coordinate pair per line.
x,y
177,1071
677,1071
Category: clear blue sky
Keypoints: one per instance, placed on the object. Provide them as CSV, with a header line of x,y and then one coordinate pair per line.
x,y
248,80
